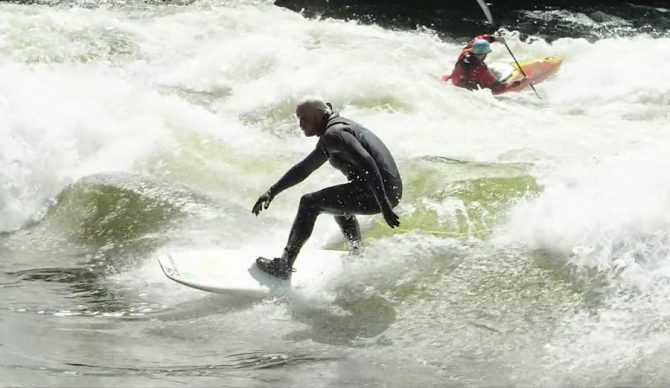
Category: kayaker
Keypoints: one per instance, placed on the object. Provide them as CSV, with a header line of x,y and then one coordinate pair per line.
x,y
471,72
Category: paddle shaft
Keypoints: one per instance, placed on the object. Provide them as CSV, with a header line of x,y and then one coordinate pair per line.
x,y
521,70
489,17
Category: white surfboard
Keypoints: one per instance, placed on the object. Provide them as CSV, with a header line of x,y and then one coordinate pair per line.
x,y
234,271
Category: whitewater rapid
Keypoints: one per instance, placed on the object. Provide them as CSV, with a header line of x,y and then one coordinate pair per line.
x,y
201,98
105,89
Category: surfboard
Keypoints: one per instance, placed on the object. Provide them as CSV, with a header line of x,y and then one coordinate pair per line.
x,y
234,271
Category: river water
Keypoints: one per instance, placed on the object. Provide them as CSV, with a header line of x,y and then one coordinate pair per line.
x,y
534,247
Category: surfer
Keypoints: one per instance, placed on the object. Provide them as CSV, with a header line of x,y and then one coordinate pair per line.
x,y
471,72
374,181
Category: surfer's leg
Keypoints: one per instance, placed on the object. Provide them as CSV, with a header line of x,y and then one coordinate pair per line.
x,y
303,225
302,228
341,200
350,229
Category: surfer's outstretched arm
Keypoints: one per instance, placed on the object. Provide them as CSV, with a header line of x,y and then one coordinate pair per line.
x,y
300,171
293,176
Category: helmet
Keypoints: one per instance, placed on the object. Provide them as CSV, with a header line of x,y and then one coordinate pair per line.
x,y
481,46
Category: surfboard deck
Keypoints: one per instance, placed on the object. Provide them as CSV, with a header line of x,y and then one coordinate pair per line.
x,y
234,271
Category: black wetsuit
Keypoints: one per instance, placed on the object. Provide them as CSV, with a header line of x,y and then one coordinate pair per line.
x,y
365,161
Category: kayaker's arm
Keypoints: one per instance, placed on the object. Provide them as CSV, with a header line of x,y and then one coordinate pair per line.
x,y
502,87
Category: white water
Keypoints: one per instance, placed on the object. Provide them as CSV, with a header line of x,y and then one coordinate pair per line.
x,y
84,91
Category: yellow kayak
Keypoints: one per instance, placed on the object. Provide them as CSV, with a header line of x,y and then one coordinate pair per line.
x,y
537,70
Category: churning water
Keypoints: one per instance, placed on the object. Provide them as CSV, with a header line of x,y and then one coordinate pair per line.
x,y
534,247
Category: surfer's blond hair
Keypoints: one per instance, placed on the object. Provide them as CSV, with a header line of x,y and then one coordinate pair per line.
x,y
314,103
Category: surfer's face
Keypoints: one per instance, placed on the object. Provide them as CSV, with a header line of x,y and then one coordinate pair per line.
x,y
310,119
481,57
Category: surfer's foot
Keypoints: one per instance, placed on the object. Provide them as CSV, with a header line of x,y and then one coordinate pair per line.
x,y
277,267
355,248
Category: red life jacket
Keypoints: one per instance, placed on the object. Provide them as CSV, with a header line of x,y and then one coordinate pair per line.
x,y
471,73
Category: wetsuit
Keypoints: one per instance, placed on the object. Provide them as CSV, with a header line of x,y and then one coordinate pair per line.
x,y
365,161
471,73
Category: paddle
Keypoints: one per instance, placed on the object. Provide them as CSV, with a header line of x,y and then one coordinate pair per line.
x,y
489,17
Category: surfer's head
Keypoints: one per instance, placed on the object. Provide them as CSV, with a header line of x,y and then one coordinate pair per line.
x,y
312,113
481,47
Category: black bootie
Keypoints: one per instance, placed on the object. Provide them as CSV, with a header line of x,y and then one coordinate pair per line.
x,y
280,267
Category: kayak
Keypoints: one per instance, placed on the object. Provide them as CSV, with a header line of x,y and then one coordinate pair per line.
x,y
537,70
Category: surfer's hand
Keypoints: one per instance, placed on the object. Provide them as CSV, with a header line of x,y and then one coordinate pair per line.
x,y
391,218
263,202
500,39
